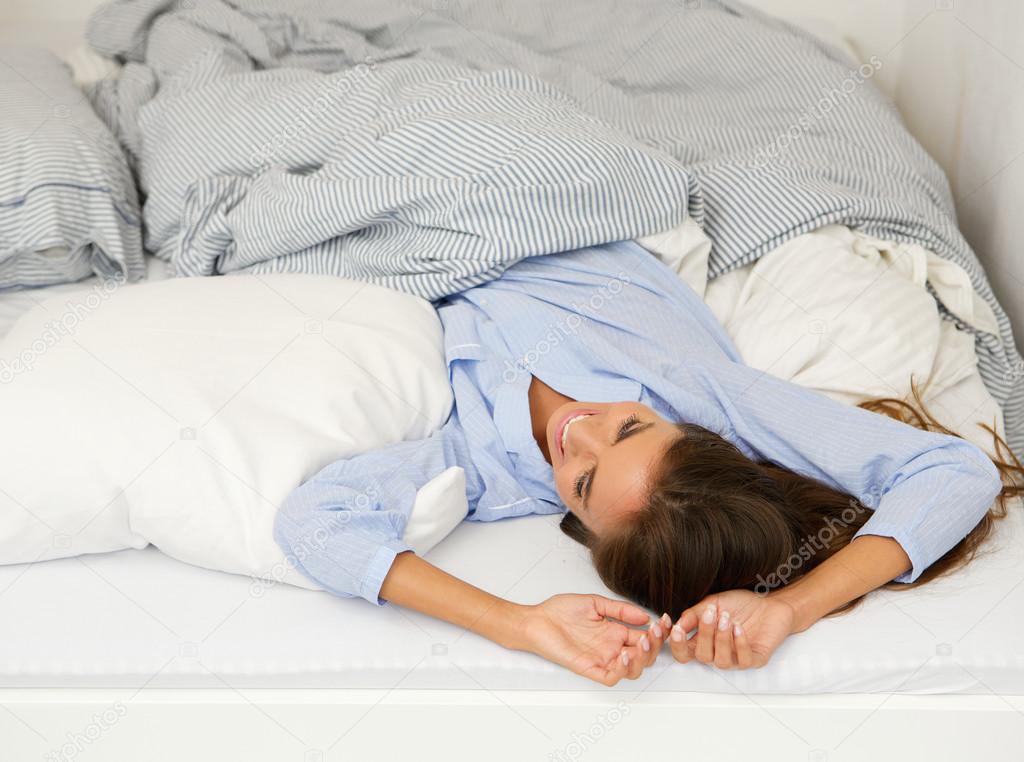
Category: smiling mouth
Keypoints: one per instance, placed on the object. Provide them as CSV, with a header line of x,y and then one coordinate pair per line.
x,y
562,436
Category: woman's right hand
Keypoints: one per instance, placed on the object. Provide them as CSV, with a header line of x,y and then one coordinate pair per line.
x,y
579,632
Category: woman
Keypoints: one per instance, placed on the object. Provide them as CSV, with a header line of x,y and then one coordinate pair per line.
x,y
596,381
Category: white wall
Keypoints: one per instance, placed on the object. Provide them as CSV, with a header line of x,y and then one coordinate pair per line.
x,y
962,93
55,24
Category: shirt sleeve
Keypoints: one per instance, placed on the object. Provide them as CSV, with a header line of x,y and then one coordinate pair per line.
x,y
927,490
343,528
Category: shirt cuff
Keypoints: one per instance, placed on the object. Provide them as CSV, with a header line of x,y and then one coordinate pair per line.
x,y
377,570
880,529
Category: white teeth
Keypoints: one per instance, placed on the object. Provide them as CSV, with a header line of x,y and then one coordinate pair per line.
x,y
570,422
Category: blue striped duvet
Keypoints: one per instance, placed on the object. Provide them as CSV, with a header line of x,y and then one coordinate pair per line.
x,y
427,147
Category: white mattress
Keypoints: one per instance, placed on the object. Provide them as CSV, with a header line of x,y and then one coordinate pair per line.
x,y
137,618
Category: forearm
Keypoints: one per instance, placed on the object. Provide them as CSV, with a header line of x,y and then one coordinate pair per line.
x,y
862,566
417,584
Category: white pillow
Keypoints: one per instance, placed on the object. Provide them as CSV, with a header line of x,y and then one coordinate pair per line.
x,y
850,316
181,413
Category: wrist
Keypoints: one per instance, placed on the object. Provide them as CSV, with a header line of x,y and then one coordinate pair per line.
x,y
802,606
507,625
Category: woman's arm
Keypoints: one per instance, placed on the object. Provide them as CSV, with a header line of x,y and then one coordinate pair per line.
x,y
344,529
419,585
575,631
925,490
755,624
865,564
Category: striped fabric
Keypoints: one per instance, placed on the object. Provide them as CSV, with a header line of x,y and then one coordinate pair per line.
x,y
431,178
782,134
68,207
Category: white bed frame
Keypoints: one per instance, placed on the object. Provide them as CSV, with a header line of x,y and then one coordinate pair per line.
x,y
930,51
318,725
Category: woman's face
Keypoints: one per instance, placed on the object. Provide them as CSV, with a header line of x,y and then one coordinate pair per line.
x,y
604,456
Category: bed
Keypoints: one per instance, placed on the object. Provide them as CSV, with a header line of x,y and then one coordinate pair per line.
x,y
132,653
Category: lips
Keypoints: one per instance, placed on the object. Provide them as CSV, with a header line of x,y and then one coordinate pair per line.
x,y
569,419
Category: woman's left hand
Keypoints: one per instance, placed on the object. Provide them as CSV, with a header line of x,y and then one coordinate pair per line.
x,y
737,629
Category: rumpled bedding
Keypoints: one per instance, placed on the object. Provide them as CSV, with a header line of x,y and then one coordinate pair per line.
x,y
424,176
404,172
68,207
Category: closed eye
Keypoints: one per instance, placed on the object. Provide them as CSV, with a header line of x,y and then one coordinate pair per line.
x,y
624,428
630,426
580,481
584,482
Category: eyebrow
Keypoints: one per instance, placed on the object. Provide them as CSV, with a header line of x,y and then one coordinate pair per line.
x,y
593,474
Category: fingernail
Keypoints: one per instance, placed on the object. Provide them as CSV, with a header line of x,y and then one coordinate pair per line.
x,y
666,621
723,621
737,630
625,659
709,614
644,643
656,631
677,633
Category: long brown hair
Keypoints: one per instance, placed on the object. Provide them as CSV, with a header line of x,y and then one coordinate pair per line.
x,y
716,520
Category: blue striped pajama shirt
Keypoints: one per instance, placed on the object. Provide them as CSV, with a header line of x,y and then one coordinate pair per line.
x,y
604,324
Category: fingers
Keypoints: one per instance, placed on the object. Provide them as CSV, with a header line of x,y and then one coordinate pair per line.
x,y
682,651
642,646
690,619
607,674
631,655
704,640
719,639
639,648
658,634
637,661
630,662
724,642
624,612
614,670
744,654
